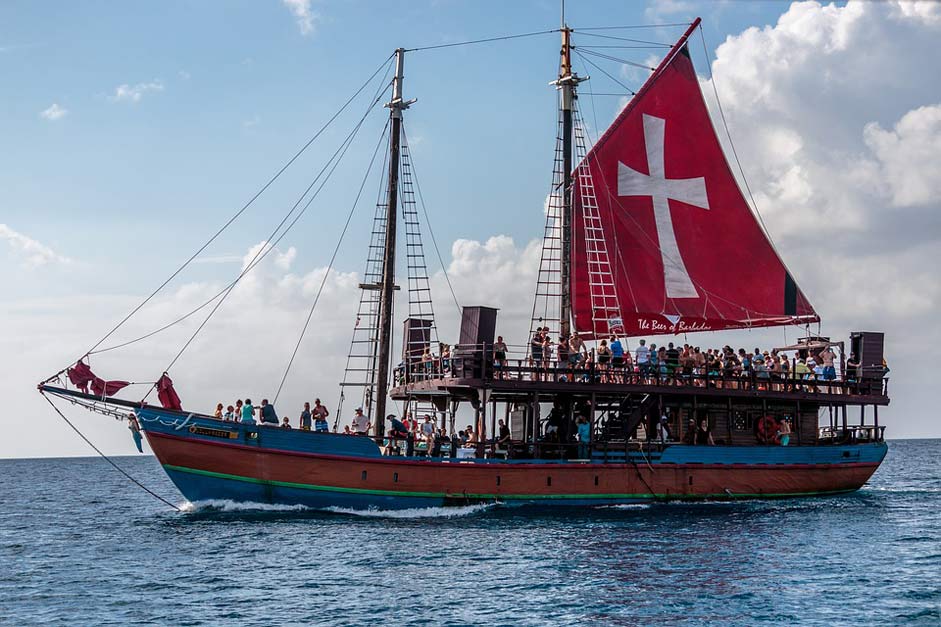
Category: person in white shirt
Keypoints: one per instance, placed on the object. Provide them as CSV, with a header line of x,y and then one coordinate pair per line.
x,y
663,429
642,358
361,422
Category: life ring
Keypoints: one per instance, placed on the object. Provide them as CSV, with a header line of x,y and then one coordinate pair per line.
x,y
767,430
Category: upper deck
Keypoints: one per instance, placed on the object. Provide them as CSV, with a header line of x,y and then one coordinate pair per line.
x,y
472,370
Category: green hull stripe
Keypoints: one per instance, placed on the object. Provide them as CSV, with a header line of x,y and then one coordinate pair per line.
x,y
492,497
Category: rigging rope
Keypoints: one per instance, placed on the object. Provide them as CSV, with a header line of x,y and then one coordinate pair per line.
x,y
251,201
108,459
331,164
635,26
431,231
259,256
658,44
616,59
603,71
482,41
333,258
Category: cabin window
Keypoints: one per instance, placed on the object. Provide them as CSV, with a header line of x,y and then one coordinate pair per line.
x,y
498,479
596,479
364,475
395,477
548,480
691,480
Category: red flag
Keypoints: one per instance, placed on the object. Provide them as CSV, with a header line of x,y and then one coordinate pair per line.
x,y
685,251
167,395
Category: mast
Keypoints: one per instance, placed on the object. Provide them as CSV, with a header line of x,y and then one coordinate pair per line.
x,y
396,106
567,82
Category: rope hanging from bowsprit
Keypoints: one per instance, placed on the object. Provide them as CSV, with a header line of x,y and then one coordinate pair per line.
x,y
109,460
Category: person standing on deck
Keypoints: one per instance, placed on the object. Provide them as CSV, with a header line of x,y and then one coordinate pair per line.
x,y
320,414
584,436
663,428
576,350
784,432
248,412
673,363
361,422
304,420
690,436
704,434
642,359
499,356
617,358
829,370
535,353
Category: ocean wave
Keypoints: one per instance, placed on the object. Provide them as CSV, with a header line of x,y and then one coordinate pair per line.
x,y
900,490
626,506
418,512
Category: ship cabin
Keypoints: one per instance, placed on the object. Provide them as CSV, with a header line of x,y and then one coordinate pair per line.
x,y
542,403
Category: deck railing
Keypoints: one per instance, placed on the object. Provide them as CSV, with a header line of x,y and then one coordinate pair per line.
x,y
479,362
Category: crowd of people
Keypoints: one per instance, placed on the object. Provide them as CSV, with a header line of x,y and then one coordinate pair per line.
x,y
670,364
311,418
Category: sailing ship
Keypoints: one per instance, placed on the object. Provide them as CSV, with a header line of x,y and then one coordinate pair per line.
x,y
630,246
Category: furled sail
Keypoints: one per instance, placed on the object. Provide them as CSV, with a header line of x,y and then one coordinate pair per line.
x,y
686,253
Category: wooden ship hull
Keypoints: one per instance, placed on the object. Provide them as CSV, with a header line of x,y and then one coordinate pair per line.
x,y
212,460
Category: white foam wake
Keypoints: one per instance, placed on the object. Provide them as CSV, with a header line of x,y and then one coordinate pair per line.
x,y
226,505
418,512
626,506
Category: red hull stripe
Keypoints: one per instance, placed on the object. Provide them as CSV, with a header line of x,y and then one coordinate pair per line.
x,y
500,464
497,497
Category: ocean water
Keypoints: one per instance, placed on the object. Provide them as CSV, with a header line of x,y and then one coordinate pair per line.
x,y
79,545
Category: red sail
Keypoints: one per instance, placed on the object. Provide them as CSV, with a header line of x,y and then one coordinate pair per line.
x,y
685,251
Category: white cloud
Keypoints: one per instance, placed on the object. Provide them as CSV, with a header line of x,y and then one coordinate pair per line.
x,y
303,15
30,252
910,156
662,8
54,112
134,93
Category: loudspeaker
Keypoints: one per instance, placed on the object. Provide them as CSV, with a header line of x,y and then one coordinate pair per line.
x,y
478,325
868,347
473,357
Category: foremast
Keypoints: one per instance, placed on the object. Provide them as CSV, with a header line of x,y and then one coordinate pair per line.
x,y
396,106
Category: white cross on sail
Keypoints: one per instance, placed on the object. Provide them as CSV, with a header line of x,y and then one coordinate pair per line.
x,y
661,189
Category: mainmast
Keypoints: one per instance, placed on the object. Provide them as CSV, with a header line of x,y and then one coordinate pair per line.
x,y
396,106
567,82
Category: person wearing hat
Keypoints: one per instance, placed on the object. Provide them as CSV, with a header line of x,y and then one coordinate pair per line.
x,y
663,428
690,436
361,422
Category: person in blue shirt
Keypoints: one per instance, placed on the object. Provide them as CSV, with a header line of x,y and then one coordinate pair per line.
x,y
584,436
305,417
268,414
248,412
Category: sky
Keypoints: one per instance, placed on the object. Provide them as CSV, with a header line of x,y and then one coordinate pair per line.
x,y
130,132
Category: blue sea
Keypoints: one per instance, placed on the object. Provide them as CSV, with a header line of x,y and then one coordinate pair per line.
x,y
80,545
